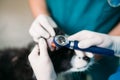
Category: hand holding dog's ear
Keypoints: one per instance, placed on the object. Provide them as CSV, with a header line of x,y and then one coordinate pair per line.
x,y
41,63
42,26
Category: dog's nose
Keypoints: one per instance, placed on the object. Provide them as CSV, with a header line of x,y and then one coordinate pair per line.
x,y
86,58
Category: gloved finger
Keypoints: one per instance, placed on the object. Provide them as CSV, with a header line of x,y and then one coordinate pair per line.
x,y
53,24
107,42
37,31
50,42
47,26
89,54
36,39
82,35
43,48
89,42
81,53
34,53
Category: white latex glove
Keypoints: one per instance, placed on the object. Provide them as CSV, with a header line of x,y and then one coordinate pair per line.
x,y
42,26
89,38
41,64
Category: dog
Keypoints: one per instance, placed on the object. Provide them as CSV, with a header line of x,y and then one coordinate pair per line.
x,y
14,64
66,60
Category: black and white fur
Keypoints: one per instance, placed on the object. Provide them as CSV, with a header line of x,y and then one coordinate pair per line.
x,y
74,61
14,64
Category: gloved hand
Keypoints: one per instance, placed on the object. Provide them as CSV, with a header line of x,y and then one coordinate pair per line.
x,y
89,38
41,63
42,27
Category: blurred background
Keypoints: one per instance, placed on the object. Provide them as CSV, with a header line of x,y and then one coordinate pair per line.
x,y
15,20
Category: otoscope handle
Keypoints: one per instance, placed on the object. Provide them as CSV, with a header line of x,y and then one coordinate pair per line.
x,y
93,49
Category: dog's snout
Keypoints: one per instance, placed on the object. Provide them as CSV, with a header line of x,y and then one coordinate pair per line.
x,y
86,58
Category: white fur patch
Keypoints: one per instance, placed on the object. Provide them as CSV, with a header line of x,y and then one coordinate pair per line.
x,y
79,64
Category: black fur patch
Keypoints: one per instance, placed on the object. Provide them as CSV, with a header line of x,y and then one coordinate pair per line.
x,y
14,64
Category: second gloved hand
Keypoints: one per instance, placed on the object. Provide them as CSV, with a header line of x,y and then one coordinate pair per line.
x,y
89,38
42,27
41,63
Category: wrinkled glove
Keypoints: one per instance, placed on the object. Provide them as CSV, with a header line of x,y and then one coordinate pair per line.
x,y
41,63
42,27
89,38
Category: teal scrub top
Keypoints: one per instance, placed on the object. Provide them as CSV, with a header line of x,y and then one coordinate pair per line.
x,y
76,15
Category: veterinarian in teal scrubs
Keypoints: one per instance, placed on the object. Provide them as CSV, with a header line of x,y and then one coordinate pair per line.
x,y
75,15
96,15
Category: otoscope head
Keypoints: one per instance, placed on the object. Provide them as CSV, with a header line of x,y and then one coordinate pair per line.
x,y
60,40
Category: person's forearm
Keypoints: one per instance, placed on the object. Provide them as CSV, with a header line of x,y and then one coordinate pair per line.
x,y
116,45
115,31
38,7
116,40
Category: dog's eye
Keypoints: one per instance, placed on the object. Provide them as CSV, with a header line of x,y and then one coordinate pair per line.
x,y
79,57
86,58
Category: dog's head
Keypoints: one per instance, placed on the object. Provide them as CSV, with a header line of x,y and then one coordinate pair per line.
x,y
15,66
66,60
81,61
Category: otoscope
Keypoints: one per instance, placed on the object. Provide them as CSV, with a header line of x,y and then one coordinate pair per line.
x,y
62,41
